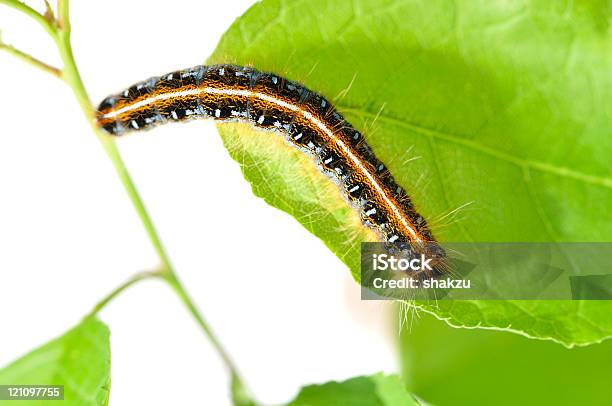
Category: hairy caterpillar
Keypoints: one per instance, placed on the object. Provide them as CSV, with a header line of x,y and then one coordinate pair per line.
x,y
310,123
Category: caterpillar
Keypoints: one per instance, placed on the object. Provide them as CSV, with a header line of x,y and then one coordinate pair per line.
x,y
308,121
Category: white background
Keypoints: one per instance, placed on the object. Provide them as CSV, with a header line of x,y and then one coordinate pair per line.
x,y
68,234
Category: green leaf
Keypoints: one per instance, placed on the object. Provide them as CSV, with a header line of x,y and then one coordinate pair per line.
x,y
449,366
79,360
375,390
506,103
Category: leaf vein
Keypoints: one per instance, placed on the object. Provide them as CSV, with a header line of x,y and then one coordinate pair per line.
x,y
521,162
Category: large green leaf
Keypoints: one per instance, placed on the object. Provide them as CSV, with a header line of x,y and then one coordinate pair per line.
x,y
79,360
449,366
375,390
506,103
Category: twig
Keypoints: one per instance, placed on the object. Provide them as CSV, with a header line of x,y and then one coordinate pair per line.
x,y
49,16
60,29
134,279
182,293
63,12
35,15
37,63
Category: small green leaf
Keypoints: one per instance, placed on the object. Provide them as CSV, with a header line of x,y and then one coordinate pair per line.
x,y
375,390
79,360
505,103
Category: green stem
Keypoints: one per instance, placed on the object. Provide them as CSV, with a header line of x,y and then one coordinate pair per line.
x,y
72,77
35,15
37,63
184,296
134,279
70,74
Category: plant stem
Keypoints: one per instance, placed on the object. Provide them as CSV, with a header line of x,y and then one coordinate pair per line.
x,y
73,78
172,280
37,63
35,15
134,279
60,31
184,296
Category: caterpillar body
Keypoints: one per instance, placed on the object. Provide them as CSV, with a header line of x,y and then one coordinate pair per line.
x,y
308,121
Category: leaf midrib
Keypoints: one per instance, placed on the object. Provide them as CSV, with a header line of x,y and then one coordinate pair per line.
x,y
523,163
